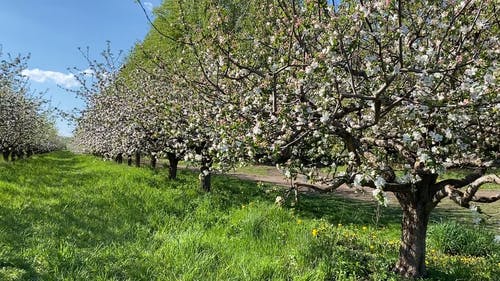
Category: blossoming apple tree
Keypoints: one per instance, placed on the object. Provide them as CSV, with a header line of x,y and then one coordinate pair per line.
x,y
379,86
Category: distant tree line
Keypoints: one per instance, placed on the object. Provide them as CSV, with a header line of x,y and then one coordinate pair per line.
x,y
26,128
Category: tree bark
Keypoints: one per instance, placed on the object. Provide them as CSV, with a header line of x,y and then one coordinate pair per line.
x,y
205,178
411,262
206,163
6,154
137,159
129,160
417,206
119,158
153,162
172,165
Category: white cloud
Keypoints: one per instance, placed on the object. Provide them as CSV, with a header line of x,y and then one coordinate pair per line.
x,y
149,6
64,79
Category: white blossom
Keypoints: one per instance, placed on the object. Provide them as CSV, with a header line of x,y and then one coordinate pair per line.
x,y
406,138
357,180
379,182
325,116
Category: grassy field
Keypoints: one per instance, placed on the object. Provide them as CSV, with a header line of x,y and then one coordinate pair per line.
x,y
68,217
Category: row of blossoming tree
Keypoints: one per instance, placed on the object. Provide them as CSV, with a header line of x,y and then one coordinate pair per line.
x,y
376,86
25,127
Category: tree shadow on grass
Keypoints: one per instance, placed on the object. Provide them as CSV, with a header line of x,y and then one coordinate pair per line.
x,y
44,169
435,273
18,267
331,207
51,203
337,209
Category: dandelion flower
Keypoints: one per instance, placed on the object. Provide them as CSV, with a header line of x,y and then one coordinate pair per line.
x,y
314,232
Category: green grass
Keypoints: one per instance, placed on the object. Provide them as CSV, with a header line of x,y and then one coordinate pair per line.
x,y
258,170
452,238
74,217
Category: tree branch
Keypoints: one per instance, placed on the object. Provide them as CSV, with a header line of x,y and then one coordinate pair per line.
x,y
155,27
449,188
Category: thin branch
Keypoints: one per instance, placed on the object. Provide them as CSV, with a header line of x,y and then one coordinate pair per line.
x,y
400,39
156,28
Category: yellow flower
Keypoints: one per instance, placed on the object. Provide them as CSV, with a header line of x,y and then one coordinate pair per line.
x,y
314,232
364,228
243,206
339,225
299,221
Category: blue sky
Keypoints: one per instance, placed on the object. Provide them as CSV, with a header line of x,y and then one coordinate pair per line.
x,y
52,30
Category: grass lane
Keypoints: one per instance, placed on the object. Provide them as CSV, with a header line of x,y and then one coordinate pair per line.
x,y
74,217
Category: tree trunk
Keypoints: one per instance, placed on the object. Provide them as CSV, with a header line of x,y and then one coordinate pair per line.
x,y
417,206
6,154
129,160
411,262
137,159
153,162
119,158
172,166
205,177
206,163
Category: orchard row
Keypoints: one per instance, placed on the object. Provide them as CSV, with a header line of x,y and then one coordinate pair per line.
x,y
25,126
376,86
